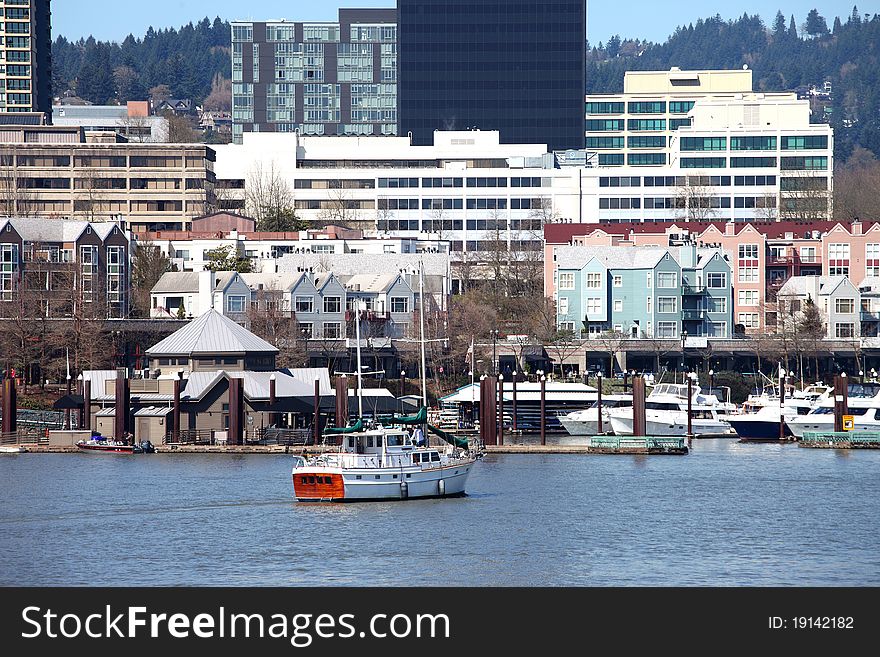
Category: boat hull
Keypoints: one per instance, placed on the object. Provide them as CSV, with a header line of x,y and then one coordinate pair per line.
x,y
623,426
95,448
379,484
758,429
582,427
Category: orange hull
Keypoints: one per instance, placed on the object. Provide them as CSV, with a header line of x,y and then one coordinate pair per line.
x,y
318,487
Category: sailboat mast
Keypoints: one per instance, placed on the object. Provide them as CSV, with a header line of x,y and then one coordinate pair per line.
x,y
422,332
360,369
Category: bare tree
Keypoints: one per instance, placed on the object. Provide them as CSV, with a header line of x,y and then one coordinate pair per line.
x,y
147,267
612,343
269,200
804,197
856,186
693,199
270,317
340,209
15,198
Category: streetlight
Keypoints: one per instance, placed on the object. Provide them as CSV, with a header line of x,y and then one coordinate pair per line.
x,y
494,334
684,335
514,375
711,380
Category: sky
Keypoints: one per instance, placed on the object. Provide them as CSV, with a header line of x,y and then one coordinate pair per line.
x,y
643,19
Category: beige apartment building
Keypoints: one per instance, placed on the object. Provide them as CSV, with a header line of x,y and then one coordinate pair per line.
x,y
25,57
64,172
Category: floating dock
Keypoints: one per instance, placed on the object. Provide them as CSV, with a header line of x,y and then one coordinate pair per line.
x,y
841,440
645,445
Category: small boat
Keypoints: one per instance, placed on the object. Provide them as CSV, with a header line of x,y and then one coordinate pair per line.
x,y
103,445
760,422
12,449
863,403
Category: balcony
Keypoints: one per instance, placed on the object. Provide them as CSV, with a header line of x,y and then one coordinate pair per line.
x,y
868,316
689,289
689,315
794,259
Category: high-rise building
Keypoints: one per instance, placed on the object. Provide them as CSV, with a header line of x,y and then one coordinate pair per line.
x,y
26,57
493,65
316,78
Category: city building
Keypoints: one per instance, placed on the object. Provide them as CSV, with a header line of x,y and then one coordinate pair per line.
x,y
835,297
62,269
188,250
518,68
189,294
63,172
26,57
765,255
644,292
132,121
316,78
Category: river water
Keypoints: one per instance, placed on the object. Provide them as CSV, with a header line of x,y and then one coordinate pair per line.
x,y
727,514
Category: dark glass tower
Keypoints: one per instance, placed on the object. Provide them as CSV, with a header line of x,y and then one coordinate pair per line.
x,y
516,66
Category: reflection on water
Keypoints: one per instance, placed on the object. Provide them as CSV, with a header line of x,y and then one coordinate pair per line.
x,y
727,514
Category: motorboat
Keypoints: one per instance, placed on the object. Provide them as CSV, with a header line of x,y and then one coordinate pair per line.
x,y
99,444
585,422
666,414
863,403
12,449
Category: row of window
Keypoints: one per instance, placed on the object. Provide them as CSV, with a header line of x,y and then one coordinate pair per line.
x,y
640,107
665,280
703,181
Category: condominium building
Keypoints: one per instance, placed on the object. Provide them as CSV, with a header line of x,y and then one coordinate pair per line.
x,y
518,68
837,300
59,172
316,78
25,57
644,292
61,269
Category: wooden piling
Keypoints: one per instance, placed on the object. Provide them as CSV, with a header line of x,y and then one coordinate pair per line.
x,y
488,411
316,418
599,403
500,410
543,410
236,412
123,406
175,412
841,403
638,392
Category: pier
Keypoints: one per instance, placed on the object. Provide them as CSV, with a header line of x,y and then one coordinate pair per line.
x,y
644,445
841,440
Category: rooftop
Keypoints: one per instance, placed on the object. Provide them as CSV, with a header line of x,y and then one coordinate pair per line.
x,y
212,333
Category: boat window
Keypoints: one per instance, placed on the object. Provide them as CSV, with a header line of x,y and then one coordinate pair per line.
x,y
409,476
662,406
435,456
358,477
311,480
395,441
378,476
351,443
395,476
305,480
417,458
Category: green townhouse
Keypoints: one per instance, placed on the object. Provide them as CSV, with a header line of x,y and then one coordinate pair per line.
x,y
644,292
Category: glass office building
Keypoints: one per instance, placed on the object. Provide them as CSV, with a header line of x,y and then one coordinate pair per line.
x,y
513,66
316,78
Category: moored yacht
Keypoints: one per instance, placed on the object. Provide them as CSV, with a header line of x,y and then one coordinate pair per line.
x,y
863,403
666,410
586,421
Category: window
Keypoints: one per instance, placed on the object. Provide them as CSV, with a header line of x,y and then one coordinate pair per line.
x,y
704,143
717,330
650,305
618,306
604,108
594,306
703,162
618,280
872,259
650,279
645,141
667,304
808,254
844,330
716,304
844,306
645,159
647,107
667,280
306,329
748,320
815,163
563,305
594,280
646,124
332,305
753,143
838,259
667,329
305,305
604,125
604,142
610,159
332,330
680,106
399,304
752,162
716,280
805,142
566,326
566,281
235,304
748,297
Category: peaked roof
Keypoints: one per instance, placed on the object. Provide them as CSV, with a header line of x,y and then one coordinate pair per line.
x,y
804,285
613,257
212,333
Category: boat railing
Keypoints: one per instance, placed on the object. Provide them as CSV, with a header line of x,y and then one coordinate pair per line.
x,y
838,437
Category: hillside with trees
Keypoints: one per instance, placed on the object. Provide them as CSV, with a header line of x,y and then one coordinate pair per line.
x,y
784,55
193,62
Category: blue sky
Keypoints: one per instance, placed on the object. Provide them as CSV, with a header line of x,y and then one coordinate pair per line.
x,y
652,20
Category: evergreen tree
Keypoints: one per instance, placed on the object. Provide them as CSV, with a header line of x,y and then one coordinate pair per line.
x,y
815,25
792,29
779,26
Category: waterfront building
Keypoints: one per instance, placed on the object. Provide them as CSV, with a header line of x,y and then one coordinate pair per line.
x,y
765,254
835,297
644,292
189,294
63,269
316,78
64,172
26,57
133,121
518,68
220,376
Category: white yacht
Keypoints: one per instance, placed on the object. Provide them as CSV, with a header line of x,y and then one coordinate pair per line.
x,y
585,422
666,414
863,403
760,415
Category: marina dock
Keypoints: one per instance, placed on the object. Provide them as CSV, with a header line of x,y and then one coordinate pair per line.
x,y
647,445
841,440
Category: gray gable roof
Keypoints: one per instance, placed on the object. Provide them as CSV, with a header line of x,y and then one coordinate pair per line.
x,y
212,333
613,257
177,281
